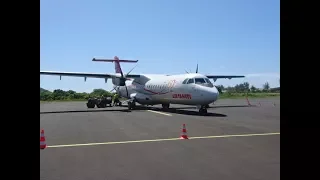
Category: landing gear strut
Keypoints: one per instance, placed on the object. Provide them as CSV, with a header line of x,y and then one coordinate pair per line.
x,y
165,106
203,110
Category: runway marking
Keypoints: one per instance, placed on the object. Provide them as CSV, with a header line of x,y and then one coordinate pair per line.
x,y
160,113
159,140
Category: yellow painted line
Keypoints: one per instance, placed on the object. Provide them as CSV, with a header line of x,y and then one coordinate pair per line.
x,y
160,113
159,140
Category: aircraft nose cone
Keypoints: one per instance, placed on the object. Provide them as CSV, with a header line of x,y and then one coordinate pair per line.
x,y
214,93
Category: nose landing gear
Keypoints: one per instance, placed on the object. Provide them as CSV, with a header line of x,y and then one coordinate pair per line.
x,y
203,110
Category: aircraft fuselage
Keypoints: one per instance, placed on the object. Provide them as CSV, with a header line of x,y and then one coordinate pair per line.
x,y
172,89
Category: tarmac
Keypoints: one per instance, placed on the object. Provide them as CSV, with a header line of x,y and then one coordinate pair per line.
x,y
234,141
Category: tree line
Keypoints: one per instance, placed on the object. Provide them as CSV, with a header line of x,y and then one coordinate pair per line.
x,y
59,94
245,87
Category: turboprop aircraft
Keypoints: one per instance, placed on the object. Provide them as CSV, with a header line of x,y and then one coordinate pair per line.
x,y
147,89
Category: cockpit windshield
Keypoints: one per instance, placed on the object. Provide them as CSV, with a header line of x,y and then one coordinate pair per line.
x,y
199,81
190,81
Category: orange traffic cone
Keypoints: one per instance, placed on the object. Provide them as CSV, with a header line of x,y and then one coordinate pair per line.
x,y
184,133
43,144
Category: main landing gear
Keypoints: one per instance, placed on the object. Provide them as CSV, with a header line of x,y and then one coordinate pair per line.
x,y
165,106
131,104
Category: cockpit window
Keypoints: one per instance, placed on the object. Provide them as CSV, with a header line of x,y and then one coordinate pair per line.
x,y
207,80
191,81
203,82
185,81
200,81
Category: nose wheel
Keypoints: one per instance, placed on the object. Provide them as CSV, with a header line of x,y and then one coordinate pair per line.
x,y
203,110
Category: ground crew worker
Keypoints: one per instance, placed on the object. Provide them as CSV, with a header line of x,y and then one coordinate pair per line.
x,y
115,98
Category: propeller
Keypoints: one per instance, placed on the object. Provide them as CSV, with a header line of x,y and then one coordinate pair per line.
x,y
127,79
190,70
124,78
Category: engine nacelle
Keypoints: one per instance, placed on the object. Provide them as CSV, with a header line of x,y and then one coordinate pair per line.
x,y
141,98
119,81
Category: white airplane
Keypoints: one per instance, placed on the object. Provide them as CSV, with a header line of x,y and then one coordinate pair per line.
x,y
146,89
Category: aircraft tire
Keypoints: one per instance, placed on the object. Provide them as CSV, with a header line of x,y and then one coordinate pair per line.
x,y
165,106
129,106
203,111
90,105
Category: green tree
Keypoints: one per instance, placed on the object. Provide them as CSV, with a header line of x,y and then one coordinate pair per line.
x,y
266,86
253,89
220,88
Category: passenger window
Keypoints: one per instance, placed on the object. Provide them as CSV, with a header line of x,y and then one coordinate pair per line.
x,y
191,81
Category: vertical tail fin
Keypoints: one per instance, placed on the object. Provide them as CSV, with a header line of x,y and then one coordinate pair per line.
x,y
117,66
116,61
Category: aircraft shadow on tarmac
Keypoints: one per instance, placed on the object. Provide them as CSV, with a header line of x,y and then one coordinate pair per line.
x,y
82,111
180,110
212,107
231,106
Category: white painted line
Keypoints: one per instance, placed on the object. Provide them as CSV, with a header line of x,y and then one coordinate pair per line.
x,y
159,140
160,113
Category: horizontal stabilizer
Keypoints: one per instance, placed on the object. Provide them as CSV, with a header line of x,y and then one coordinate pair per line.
x,y
112,60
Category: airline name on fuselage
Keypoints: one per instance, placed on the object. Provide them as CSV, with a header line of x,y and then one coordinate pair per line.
x,y
182,96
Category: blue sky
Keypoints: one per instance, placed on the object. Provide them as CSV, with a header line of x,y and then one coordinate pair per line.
x,y
226,37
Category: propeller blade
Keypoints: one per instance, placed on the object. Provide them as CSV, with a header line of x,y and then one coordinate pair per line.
x,y
113,89
186,71
131,70
197,68
127,91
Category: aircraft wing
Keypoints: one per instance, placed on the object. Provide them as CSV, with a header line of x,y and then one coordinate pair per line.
x,y
215,77
86,75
